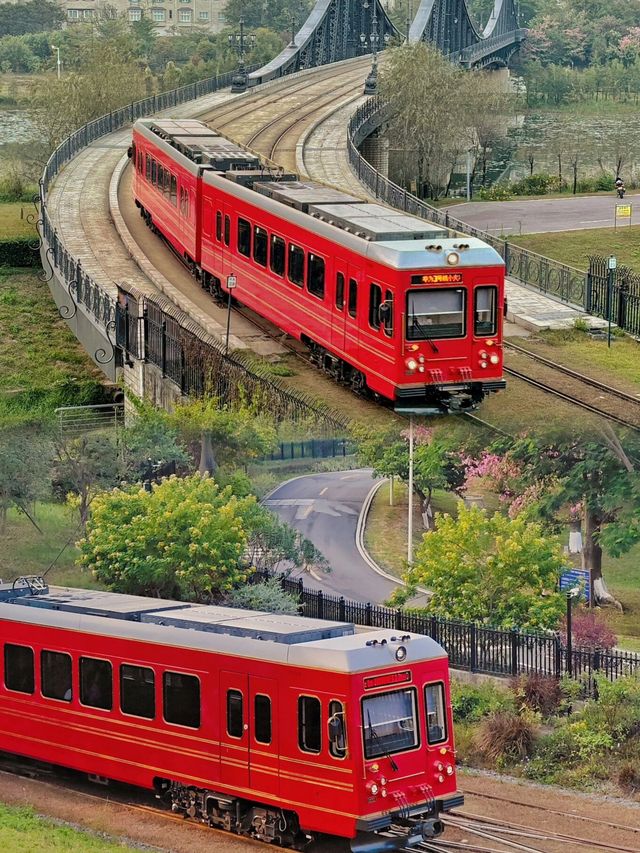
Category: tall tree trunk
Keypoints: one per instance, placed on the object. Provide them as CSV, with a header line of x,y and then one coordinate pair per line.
x,y
208,464
592,560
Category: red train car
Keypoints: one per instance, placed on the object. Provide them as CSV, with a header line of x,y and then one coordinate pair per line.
x,y
276,727
387,303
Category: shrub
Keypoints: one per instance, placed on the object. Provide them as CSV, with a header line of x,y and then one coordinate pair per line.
x,y
474,702
506,735
552,754
540,693
533,185
267,595
629,778
590,631
604,183
17,252
497,192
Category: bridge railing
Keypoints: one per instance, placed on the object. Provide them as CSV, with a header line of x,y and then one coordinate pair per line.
x,y
544,274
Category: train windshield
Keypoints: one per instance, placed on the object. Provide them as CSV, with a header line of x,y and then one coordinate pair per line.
x,y
436,313
389,723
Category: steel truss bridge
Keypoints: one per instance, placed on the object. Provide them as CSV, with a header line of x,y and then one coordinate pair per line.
x,y
341,29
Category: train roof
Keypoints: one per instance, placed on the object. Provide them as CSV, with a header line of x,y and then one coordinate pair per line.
x,y
294,640
382,234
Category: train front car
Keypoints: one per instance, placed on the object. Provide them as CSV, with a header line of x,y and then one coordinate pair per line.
x,y
450,302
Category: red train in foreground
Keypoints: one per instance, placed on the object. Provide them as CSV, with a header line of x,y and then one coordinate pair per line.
x,y
387,303
275,727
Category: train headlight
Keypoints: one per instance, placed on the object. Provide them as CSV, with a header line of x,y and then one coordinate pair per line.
x,y
449,770
453,258
482,354
401,653
483,364
440,778
383,781
374,788
383,792
411,363
494,359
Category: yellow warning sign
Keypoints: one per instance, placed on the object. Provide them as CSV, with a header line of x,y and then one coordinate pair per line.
x,y
623,211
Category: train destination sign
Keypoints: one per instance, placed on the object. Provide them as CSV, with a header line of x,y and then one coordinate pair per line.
x,y
437,278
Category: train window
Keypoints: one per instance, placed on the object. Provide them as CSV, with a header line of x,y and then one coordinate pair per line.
x,y
485,310
148,167
96,688
375,300
339,291
160,176
137,691
167,183
55,675
260,246
181,695
309,724
154,172
437,313
140,162
277,254
19,669
262,718
337,730
387,313
235,722
352,304
227,230
244,238
296,265
436,715
219,226
315,276
389,722
173,194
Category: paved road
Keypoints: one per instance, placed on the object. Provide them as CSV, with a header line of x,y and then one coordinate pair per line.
x,y
325,508
540,215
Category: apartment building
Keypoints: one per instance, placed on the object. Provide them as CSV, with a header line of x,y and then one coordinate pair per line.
x,y
169,16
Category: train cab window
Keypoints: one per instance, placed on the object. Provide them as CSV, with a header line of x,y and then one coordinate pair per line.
x,y
352,304
485,314
181,695
437,313
375,300
55,675
19,669
173,193
309,724
386,313
262,718
339,291
260,246
96,687
244,238
227,230
137,691
389,722
140,162
336,730
276,261
296,265
219,226
235,721
315,275
436,715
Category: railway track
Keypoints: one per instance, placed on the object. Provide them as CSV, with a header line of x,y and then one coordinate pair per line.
x,y
575,388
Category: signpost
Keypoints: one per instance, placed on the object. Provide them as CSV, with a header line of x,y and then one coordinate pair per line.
x,y
623,211
232,281
573,578
612,264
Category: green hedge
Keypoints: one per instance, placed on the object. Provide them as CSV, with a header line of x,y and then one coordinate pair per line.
x,y
17,252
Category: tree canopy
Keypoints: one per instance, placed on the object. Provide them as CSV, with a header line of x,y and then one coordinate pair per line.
x,y
488,569
34,16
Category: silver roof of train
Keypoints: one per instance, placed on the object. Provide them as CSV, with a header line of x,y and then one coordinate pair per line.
x,y
296,640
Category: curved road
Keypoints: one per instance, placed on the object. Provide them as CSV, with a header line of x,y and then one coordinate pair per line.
x,y
545,214
325,508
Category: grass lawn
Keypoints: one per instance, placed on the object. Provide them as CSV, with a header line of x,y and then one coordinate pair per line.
x,y
25,551
13,220
574,247
623,580
38,352
22,831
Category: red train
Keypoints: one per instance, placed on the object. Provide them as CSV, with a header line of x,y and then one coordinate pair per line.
x,y
387,303
275,727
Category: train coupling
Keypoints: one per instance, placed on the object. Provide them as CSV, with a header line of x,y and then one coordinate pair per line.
x,y
372,842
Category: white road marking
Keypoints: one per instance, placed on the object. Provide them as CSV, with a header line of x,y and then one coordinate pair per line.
x,y
326,489
586,221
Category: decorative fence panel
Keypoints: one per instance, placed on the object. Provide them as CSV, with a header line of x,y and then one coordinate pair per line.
x,y
616,297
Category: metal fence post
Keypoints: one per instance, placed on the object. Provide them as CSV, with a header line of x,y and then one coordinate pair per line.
x,y
163,347
342,616
473,647
515,642
557,656
588,292
367,614
398,620
320,600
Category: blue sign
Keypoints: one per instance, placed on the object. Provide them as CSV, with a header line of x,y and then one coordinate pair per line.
x,y
576,578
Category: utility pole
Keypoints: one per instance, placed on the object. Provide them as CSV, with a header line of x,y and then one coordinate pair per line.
x,y
410,518
238,41
59,64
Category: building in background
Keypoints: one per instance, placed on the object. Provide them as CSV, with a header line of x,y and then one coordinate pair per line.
x,y
169,16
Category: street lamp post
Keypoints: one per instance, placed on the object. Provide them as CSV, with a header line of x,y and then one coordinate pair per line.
x,y
410,518
371,83
59,64
238,41
292,43
232,281
611,268
469,174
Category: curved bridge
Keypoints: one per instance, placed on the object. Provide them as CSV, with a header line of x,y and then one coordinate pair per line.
x,y
341,29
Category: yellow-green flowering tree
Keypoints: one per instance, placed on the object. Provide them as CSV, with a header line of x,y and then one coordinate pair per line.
x,y
184,539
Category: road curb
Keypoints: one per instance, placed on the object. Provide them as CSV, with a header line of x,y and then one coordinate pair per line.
x,y
360,528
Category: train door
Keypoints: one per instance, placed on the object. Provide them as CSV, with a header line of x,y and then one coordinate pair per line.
x,y
339,306
263,735
353,301
234,729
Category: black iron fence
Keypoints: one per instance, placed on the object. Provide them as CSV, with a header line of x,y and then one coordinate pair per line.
x,y
472,647
544,274
314,448
616,297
